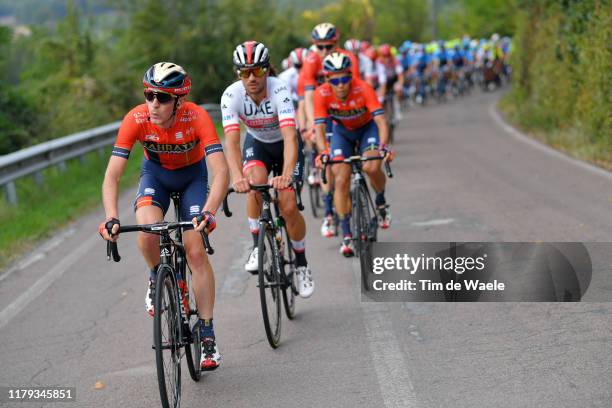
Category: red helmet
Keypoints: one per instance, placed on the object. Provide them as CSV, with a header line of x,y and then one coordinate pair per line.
x,y
298,56
352,45
167,77
385,50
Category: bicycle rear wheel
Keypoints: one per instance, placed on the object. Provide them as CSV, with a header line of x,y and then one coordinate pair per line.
x,y
167,338
269,284
289,274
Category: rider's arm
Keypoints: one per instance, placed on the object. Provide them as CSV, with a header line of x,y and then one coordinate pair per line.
x,y
309,105
231,128
374,106
126,137
234,156
286,120
110,186
290,150
215,159
218,188
321,115
308,79
383,128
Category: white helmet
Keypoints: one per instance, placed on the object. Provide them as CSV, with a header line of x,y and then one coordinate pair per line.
x,y
324,32
251,54
336,62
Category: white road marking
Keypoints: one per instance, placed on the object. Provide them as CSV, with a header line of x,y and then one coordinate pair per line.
x,y
42,284
545,148
41,253
13,309
391,370
433,223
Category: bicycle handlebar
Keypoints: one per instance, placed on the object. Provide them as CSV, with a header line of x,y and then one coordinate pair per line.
x,y
113,250
355,159
261,188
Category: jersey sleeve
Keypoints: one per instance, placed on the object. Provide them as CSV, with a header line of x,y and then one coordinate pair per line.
x,y
128,134
284,105
208,133
371,100
320,107
229,112
309,74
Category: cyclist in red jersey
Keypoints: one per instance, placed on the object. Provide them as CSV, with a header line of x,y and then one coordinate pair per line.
x,y
176,136
325,39
359,122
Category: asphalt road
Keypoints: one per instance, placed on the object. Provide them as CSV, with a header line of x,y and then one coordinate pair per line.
x,y
70,318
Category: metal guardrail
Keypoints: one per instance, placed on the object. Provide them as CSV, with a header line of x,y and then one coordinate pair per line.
x,y
33,160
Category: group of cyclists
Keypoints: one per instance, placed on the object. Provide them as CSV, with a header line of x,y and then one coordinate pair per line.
x,y
323,102
415,71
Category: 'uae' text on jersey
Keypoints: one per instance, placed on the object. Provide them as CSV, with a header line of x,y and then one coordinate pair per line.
x,y
262,121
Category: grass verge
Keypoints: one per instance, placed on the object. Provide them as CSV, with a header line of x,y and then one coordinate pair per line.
x,y
571,141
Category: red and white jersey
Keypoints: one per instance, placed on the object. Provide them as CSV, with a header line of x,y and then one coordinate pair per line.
x,y
290,77
263,121
388,68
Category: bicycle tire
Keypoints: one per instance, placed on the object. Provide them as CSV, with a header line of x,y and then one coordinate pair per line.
x,y
365,234
269,284
313,194
193,352
167,315
288,274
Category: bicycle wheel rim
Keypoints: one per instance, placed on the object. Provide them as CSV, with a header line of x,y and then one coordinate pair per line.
x,y
269,285
166,334
289,275
365,246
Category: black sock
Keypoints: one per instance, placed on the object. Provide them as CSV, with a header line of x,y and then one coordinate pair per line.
x,y
255,238
380,198
300,258
206,328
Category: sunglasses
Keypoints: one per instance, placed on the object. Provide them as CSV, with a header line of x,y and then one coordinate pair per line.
x,y
327,47
340,80
258,72
161,96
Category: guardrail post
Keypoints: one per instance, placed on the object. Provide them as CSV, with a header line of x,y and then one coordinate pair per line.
x,y
101,153
82,159
39,178
61,166
11,193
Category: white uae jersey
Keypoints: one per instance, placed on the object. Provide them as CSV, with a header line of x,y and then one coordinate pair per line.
x,y
263,121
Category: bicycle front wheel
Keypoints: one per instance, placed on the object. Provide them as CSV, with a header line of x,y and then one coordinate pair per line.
x,y
167,338
365,234
269,284
288,274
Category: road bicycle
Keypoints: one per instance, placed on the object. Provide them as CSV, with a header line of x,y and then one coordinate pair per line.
x,y
277,269
364,212
176,331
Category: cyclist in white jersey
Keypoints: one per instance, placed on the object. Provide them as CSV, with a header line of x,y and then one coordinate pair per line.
x,y
264,105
